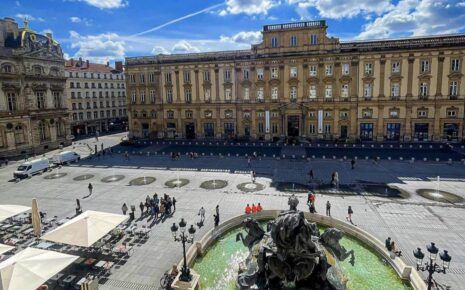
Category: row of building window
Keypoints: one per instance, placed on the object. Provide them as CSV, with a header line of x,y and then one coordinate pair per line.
x,y
343,114
313,40
79,106
43,130
77,85
293,72
96,75
95,115
100,94
12,100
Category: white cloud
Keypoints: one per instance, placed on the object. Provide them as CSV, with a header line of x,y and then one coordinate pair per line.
x,y
98,48
337,9
104,4
29,17
245,37
249,7
160,50
183,46
418,17
75,19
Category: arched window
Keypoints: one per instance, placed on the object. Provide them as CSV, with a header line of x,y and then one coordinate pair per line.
x,y
11,101
37,70
7,68
19,134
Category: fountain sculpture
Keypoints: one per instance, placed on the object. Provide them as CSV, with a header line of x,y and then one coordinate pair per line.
x,y
291,254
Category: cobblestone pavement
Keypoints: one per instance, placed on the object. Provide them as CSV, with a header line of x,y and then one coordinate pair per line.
x,y
412,222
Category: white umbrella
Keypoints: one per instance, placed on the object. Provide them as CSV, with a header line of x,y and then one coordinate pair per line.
x,y
85,229
9,210
30,268
5,248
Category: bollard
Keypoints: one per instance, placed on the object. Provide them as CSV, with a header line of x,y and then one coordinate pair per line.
x,y
421,146
377,158
317,145
400,146
366,158
335,145
345,145
246,155
284,156
353,145
345,157
293,156
437,159
313,156
303,156
324,157
148,154
327,145
363,145
425,159
355,158
334,157
274,155
411,146
412,160
390,146
440,146
382,146
229,155
163,153
264,155
401,158
203,153
449,161
372,146
389,157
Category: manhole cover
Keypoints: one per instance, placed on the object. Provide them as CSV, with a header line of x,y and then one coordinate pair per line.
x,y
55,175
178,182
112,178
250,187
440,196
142,180
214,184
83,177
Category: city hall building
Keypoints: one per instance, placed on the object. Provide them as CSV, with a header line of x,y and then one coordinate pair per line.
x,y
301,83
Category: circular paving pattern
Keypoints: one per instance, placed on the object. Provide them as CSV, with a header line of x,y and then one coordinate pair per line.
x,y
112,178
83,177
55,175
342,189
250,187
384,191
142,180
214,184
292,187
441,196
176,182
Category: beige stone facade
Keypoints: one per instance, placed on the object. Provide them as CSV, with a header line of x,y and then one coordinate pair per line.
x,y
96,96
301,83
33,115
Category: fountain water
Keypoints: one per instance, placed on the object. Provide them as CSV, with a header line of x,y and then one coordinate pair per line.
x,y
145,180
293,187
438,180
214,183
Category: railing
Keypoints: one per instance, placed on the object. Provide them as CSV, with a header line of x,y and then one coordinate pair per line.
x,y
304,24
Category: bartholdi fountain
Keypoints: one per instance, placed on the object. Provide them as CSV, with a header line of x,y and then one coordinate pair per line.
x,y
292,253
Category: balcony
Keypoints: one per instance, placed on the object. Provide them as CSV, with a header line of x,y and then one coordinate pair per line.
x,y
329,99
395,98
423,98
453,97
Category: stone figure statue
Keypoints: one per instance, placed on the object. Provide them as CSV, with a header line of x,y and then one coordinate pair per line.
x,y
289,254
293,202
330,239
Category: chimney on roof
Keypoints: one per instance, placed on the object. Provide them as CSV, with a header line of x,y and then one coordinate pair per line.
x,y
80,61
119,66
108,63
72,62
87,63
49,35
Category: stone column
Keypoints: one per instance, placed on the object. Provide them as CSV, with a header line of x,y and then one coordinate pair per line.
x,y
380,124
197,86
178,89
381,77
439,76
217,85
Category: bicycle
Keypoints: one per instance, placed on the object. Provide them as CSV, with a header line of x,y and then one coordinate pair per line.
x,y
166,281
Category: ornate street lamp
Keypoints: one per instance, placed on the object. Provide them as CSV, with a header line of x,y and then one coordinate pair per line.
x,y
432,267
183,238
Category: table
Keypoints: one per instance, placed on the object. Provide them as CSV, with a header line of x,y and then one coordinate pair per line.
x,y
28,231
57,277
44,245
79,260
89,262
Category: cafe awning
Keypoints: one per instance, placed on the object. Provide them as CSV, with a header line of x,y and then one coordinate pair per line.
x,y
85,229
31,267
10,210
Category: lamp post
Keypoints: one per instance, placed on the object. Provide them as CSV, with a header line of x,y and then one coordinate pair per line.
x,y
183,238
432,267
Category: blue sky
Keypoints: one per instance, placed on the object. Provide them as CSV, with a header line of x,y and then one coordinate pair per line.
x,y
109,30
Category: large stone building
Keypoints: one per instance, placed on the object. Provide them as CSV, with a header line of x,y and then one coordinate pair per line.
x,y
301,83
33,115
96,96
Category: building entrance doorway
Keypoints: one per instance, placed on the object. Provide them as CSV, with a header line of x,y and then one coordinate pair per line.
x,y
145,130
451,131
343,132
293,126
190,131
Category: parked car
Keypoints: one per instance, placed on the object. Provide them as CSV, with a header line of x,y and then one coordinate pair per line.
x,y
30,168
66,157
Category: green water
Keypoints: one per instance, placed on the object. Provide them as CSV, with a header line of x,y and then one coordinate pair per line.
x,y
218,267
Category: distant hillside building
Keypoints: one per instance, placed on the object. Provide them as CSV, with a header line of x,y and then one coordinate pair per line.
x,y
33,114
300,83
96,96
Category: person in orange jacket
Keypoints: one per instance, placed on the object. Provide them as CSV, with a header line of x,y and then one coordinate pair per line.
x,y
259,207
248,209
254,208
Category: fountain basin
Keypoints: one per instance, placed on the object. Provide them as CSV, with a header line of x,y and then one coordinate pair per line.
x,y
142,180
214,184
83,177
55,175
197,253
250,187
175,183
439,195
291,187
112,178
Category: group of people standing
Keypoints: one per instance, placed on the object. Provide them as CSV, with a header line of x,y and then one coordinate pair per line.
x,y
157,207
253,209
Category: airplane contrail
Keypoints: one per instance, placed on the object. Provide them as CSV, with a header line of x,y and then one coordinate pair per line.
x,y
179,19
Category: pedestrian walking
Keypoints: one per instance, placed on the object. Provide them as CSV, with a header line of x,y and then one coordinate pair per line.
x,y
217,209
350,212
217,220
141,206
311,208
310,175
156,211
352,162
248,163
124,208
174,204
254,176
202,215
90,187
328,208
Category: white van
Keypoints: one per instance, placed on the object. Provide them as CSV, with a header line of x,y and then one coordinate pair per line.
x,y
65,157
31,167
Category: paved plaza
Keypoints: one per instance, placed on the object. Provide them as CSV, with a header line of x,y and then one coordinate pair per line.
x,y
412,221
